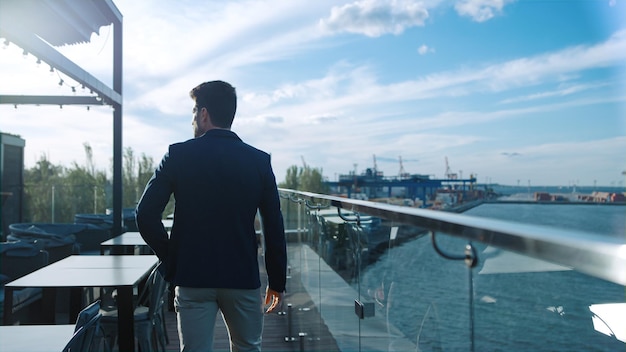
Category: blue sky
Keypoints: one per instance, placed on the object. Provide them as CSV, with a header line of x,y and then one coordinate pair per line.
x,y
510,91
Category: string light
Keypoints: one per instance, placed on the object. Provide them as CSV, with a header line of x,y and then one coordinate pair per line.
x,y
62,82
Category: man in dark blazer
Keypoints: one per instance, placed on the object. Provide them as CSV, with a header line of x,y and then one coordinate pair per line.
x,y
219,182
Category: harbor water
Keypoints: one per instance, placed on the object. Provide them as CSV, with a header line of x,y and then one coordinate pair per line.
x,y
519,303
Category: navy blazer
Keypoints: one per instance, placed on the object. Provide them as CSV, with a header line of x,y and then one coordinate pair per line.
x,y
218,182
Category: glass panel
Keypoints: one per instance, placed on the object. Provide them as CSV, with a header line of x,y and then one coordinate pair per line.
x,y
521,301
336,272
412,298
421,298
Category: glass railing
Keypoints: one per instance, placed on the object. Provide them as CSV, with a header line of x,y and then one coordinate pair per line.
x,y
395,278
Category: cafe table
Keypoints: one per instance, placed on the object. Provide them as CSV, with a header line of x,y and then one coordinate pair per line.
x,y
77,272
168,223
35,338
125,243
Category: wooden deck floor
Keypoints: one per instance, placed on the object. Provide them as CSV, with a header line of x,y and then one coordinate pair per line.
x,y
305,318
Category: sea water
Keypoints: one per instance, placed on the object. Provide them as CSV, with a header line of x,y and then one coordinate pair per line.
x,y
519,304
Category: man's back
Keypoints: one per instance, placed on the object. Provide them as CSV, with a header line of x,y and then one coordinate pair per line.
x,y
219,182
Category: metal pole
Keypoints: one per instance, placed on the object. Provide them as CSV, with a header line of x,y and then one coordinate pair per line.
x,y
299,222
302,336
117,129
53,204
289,337
289,321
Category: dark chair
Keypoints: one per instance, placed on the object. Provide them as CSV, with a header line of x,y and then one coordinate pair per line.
x,y
87,327
148,315
58,239
18,258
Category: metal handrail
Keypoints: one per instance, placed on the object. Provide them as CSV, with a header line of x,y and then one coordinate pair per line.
x,y
599,256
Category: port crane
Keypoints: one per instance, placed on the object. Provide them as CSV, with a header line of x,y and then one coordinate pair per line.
x,y
449,174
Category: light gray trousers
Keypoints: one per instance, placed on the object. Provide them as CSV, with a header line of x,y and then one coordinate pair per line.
x,y
196,309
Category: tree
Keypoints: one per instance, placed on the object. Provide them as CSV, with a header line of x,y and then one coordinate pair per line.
x,y
55,193
130,182
305,178
291,178
38,183
137,173
311,180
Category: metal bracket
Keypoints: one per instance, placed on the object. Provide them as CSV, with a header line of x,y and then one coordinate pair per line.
x,y
314,206
357,218
295,199
364,309
470,257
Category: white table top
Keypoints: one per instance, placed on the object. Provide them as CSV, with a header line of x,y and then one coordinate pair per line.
x,y
167,223
126,239
80,271
90,271
35,338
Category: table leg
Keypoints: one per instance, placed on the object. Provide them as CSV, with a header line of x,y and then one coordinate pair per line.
x,y
76,303
126,318
8,306
48,304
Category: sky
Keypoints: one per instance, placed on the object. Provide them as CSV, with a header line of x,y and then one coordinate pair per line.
x,y
528,92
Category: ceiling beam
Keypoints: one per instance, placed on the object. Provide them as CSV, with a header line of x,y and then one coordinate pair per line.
x,y
49,100
40,49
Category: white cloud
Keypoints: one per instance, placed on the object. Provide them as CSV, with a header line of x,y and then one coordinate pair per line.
x,y
424,49
352,96
375,18
479,10
559,92
333,118
529,71
550,158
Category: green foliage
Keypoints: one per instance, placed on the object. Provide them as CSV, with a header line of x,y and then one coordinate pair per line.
x,y
54,193
305,178
291,178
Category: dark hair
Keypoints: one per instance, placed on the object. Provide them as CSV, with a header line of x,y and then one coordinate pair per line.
x,y
220,100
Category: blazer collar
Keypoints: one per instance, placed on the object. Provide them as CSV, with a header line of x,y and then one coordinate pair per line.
x,y
220,133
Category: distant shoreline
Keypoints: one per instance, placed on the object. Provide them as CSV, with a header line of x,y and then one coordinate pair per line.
x,y
461,208
500,201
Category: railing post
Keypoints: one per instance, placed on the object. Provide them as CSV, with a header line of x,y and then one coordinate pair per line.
x,y
302,337
300,222
289,337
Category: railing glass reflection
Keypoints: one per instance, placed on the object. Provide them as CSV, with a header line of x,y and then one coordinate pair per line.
x,y
378,283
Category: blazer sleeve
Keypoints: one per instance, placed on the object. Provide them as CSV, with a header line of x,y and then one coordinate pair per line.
x,y
150,209
274,233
